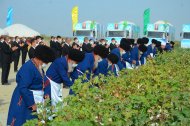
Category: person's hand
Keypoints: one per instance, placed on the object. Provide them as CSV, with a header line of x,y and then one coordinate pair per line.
x,y
46,97
34,108
133,62
14,48
107,46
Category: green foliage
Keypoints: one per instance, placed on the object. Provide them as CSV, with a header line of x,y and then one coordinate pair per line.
x,y
157,93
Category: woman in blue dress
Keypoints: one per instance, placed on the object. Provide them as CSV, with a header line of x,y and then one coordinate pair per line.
x,y
143,54
58,73
30,86
112,61
120,51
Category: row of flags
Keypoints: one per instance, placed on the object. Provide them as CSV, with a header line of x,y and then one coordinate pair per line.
x,y
75,18
75,14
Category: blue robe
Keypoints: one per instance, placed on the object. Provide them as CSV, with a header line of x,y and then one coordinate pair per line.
x,y
151,50
143,58
116,51
28,78
168,47
126,58
102,68
135,54
57,72
85,66
113,70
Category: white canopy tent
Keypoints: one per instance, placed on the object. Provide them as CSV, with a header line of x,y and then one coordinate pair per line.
x,y
21,31
2,32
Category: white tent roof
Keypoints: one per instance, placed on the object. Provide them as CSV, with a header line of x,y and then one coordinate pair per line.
x,y
2,32
128,22
163,22
21,31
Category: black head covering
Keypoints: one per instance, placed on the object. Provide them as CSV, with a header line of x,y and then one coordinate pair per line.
x,y
154,41
76,55
101,50
132,41
113,58
124,44
44,53
145,40
142,48
140,41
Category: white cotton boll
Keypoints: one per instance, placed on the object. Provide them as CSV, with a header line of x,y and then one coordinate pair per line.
x,y
152,117
101,124
43,122
158,116
154,124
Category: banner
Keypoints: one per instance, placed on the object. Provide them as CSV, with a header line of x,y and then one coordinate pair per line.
x,y
10,16
146,19
74,16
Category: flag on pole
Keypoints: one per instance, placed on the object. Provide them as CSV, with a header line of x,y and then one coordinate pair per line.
x,y
125,24
74,16
10,16
146,19
92,25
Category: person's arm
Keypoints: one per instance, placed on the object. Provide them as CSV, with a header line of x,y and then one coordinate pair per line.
x,y
8,50
24,81
64,75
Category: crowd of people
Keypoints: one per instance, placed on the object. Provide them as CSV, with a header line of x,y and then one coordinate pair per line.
x,y
70,60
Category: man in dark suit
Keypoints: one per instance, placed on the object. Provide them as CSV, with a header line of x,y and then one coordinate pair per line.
x,y
7,52
58,47
1,43
52,42
16,53
53,45
113,44
66,47
24,49
86,46
32,48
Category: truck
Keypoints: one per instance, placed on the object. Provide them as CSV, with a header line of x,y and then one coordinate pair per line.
x,y
90,29
185,36
161,30
123,29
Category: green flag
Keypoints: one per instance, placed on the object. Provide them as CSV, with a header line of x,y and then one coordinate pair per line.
x,y
146,19
92,25
125,25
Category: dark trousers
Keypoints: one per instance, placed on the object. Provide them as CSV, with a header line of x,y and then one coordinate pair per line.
x,y
0,60
5,72
0,64
16,60
24,54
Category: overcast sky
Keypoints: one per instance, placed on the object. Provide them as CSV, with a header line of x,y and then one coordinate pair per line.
x,y
53,17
